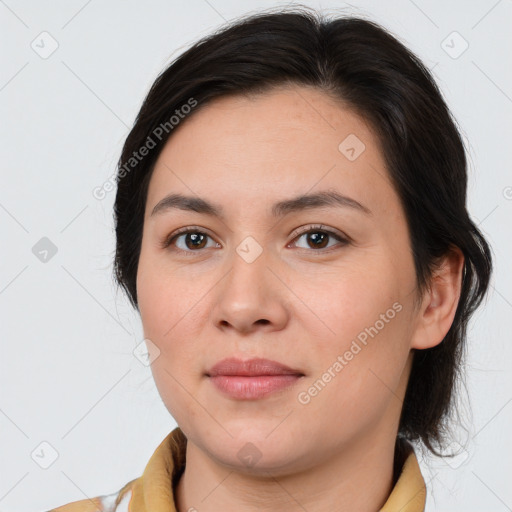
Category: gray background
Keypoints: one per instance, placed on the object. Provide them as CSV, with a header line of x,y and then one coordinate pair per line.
x,y
68,374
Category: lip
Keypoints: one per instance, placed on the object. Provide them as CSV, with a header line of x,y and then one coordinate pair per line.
x,y
250,368
251,379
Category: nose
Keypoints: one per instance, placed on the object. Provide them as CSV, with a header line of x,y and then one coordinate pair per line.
x,y
251,297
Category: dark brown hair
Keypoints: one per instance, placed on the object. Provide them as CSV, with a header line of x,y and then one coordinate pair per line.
x,y
368,69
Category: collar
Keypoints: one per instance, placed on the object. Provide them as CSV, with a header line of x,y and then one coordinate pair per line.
x,y
153,491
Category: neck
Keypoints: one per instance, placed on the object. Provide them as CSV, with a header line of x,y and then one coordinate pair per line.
x,y
208,486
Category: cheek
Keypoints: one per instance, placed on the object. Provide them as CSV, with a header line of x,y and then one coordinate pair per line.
x,y
172,309
169,310
352,300
357,380
358,361
167,296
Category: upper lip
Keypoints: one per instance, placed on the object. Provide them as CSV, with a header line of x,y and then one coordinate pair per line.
x,y
251,367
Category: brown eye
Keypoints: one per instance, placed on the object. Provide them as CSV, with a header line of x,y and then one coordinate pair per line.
x,y
195,240
319,239
188,241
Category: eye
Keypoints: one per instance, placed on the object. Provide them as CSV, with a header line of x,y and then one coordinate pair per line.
x,y
188,240
192,239
317,237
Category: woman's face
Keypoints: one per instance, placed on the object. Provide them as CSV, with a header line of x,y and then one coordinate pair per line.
x,y
327,290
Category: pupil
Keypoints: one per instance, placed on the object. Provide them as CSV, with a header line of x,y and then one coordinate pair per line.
x,y
319,238
194,237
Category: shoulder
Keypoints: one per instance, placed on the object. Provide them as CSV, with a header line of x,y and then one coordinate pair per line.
x,y
115,502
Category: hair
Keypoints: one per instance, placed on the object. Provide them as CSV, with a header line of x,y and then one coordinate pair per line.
x,y
366,68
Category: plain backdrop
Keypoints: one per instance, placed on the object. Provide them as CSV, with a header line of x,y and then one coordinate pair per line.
x,y
79,413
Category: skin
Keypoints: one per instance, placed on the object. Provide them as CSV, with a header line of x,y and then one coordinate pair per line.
x,y
294,304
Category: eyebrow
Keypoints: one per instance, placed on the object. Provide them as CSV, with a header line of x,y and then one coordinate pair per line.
x,y
322,199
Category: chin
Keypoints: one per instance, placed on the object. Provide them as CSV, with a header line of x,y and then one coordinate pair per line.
x,y
257,460
256,447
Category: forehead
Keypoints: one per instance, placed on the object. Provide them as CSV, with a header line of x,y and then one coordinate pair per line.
x,y
281,143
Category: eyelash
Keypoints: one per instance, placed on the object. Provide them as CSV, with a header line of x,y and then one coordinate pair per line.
x,y
344,240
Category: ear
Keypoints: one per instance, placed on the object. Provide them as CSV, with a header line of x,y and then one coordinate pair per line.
x,y
440,301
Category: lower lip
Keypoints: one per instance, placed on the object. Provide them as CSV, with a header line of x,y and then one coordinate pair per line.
x,y
252,388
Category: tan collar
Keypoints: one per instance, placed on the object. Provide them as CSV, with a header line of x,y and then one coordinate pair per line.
x,y
153,491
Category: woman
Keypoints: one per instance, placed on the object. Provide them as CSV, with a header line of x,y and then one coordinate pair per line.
x,y
291,225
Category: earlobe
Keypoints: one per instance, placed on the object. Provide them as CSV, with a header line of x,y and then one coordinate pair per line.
x,y
440,301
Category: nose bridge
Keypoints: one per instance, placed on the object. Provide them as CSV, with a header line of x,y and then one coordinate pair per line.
x,y
248,275
250,292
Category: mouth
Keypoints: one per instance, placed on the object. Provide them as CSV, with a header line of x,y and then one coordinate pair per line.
x,y
252,379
